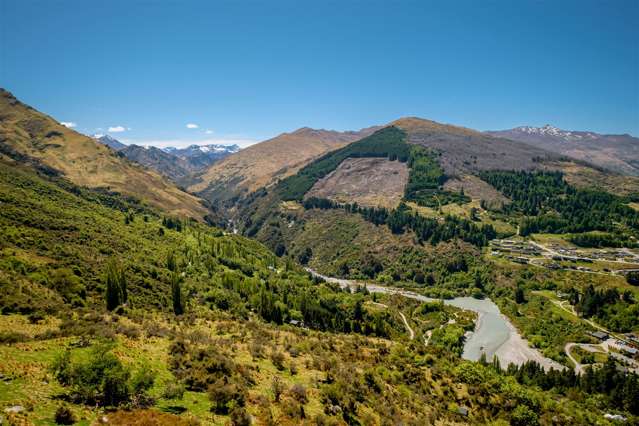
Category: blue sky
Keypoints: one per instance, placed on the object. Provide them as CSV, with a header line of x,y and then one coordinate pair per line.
x,y
248,70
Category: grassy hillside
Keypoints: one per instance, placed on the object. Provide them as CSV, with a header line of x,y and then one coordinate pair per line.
x,y
27,135
232,354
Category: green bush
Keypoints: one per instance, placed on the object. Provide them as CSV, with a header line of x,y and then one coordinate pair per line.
x,y
173,391
524,416
227,395
101,378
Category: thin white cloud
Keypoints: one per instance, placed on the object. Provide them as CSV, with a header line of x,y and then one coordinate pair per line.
x,y
181,143
116,129
98,135
69,124
192,126
209,132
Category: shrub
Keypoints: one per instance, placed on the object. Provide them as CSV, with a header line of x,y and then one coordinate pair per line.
x,y
226,395
524,416
69,286
64,416
278,360
299,393
102,378
140,384
633,278
173,391
277,386
13,337
240,417
35,317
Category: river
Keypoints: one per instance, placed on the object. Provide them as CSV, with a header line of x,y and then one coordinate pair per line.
x,y
494,334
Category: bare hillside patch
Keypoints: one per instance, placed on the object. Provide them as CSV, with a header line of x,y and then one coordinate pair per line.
x,y
476,189
583,176
366,181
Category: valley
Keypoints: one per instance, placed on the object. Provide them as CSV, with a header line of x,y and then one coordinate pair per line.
x,y
418,273
324,213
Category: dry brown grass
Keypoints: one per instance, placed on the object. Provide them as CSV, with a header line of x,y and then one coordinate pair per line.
x,y
144,418
583,176
415,124
476,189
86,162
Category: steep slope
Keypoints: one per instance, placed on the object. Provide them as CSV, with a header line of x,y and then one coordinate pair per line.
x,y
110,141
27,135
262,164
619,153
154,158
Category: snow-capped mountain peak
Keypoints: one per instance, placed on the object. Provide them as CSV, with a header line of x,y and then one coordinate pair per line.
x,y
210,149
555,132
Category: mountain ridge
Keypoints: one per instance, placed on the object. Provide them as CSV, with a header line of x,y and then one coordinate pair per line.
x,y
30,134
175,163
618,153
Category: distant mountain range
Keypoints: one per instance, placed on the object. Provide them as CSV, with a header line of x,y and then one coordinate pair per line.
x,y
618,153
175,163
201,156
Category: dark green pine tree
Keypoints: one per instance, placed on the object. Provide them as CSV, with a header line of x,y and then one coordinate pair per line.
x,y
176,291
519,295
116,291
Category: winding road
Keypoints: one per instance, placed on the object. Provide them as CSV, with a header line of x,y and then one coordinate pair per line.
x,y
411,333
410,330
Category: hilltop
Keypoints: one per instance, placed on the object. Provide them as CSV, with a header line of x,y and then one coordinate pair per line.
x,y
29,136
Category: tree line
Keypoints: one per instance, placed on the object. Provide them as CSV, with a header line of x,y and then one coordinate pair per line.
x,y
387,142
617,388
401,219
553,206
425,180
